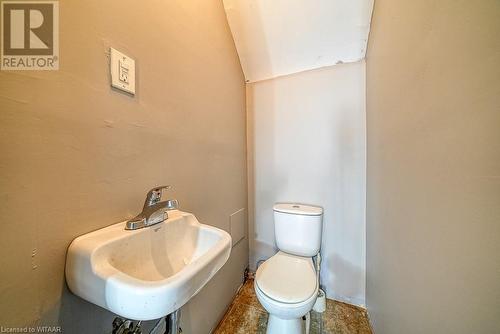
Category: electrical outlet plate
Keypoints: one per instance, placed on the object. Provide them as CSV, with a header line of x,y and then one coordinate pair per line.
x,y
122,71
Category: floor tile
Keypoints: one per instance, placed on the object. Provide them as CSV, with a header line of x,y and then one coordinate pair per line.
x,y
341,318
243,319
247,316
247,295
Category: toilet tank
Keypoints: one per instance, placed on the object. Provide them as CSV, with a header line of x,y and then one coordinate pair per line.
x,y
297,228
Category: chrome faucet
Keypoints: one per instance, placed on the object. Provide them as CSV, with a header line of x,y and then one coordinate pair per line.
x,y
154,211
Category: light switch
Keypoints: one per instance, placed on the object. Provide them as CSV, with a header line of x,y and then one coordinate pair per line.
x,y
122,71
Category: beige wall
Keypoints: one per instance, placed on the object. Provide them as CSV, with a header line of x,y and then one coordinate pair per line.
x,y
307,145
433,210
77,156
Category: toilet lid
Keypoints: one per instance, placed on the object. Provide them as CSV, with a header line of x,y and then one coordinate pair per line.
x,y
287,278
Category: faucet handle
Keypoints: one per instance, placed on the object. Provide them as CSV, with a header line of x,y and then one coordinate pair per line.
x,y
172,204
154,195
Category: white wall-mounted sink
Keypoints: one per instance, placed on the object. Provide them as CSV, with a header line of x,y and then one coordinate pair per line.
x,y
147,273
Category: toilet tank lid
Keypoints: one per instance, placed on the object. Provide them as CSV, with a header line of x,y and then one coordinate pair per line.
x,y
298,209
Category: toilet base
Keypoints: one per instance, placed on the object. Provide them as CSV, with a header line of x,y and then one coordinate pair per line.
x,y
277,325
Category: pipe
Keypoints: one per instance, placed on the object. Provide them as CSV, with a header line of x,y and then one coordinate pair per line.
x,y
318,265
158,324
174,322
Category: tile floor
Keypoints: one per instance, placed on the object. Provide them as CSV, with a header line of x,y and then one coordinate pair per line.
x,y
246,316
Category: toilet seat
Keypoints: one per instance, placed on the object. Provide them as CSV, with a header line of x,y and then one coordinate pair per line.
x,y
287,278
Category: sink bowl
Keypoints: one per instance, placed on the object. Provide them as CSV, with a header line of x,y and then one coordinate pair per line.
x,y
148,273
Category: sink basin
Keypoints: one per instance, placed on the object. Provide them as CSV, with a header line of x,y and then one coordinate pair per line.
x,y
148,273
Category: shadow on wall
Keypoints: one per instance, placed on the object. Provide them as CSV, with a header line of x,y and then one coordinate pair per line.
x,y
262,252
91,318
344,226
349,282
260,249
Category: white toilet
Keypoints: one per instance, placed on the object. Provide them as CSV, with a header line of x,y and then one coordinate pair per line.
x,y
287,284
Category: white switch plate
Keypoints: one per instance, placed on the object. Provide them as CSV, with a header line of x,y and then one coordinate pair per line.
x,y
122,71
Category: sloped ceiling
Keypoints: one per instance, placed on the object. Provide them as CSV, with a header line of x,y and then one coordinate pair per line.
x,y
280,37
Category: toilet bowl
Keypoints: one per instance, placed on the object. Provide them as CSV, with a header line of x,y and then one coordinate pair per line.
x,y
287,283
286,286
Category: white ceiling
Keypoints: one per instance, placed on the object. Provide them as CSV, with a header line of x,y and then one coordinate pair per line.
x,y
280,37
